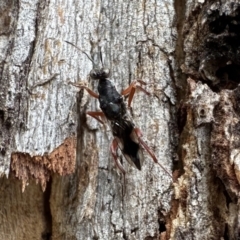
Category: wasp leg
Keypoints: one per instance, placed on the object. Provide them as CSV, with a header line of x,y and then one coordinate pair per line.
x,y
91,92
99,116
132,88
148,149
113,148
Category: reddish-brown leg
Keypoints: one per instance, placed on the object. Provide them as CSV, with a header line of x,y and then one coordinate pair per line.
x,y
113,148
148,149
91,92
133,83
99,116
132,88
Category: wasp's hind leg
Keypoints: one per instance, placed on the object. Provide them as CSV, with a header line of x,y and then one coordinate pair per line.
x,y
113,148
130,91
148,149
99,116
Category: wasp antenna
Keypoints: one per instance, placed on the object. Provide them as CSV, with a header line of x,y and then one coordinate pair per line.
x,y
101,57
80,51
164,169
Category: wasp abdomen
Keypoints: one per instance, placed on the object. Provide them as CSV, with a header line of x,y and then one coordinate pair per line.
x,y
124,130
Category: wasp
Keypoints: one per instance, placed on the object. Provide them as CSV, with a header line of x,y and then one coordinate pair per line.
x,y
126,135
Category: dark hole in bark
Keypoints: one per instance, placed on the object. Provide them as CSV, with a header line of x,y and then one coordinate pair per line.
x,y
22,125
228,198
218,26
47,212
181,117
3,150
134,230
124,236
162,227
1,115
229,73
46,236
150,238
202,113
226,235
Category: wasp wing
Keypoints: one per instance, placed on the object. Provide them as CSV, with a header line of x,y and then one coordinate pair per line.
x,y
128,142
135,160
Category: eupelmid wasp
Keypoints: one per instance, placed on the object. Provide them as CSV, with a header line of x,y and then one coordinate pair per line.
x,y
126,135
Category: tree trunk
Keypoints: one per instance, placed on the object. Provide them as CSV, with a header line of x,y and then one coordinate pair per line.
x,y
59,180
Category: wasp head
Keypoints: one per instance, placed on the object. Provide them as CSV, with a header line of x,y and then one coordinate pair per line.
x,y
100,73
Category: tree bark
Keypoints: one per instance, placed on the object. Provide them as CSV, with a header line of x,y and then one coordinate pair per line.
x,y
188,54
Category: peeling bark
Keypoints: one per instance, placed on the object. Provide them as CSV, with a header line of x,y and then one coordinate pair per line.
x,y
61,160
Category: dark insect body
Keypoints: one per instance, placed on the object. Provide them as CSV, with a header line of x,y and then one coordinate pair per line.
x,y
111,102
114,109
127,137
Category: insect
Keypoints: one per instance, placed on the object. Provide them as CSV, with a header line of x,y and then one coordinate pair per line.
x,y
126,135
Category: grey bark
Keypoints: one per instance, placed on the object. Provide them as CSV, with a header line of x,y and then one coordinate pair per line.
x,y
47,138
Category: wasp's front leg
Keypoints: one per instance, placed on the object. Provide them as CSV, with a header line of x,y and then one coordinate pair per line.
x,y
113,148
131,89
148,149
80,85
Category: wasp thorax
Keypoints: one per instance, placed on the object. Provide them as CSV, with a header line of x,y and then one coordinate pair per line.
x,y
100,73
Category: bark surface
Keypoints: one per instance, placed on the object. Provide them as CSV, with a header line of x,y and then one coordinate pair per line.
x,y
58,178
